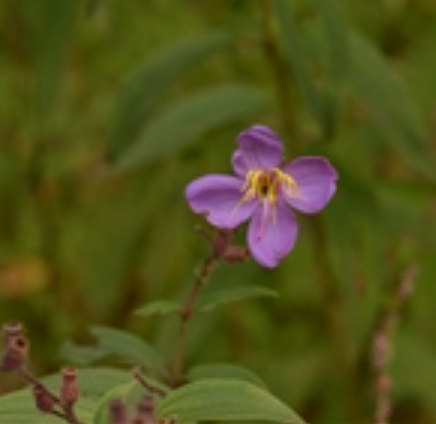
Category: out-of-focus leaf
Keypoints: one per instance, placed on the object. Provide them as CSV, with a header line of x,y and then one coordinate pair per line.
x,y
94,382
82,355
297,61
336,34
162,307
19,407
188,120
225,400
212,299
144,88
414,369
410,192
93,6
48,32
357,192
121,392
226,371
310,367
408,201
128,347
375,83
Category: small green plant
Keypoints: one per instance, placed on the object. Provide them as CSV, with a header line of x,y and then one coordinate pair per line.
x,y
261,191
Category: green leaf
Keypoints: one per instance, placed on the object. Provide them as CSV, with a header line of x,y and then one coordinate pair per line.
x,y
19,407
142,90
225,400
162,307
212,299
295,57
414,193
382,91
226,371
49,31
82,355
414,368
128,347
188,120
336,35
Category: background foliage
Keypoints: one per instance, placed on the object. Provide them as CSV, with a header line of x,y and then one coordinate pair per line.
x,y
110,107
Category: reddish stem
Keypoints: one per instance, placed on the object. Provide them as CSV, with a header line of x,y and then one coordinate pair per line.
x,y
219,247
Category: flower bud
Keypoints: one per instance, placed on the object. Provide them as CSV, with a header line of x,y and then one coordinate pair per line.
x,y
44,400
69,391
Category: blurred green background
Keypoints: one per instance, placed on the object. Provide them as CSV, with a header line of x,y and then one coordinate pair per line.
x,y
110,107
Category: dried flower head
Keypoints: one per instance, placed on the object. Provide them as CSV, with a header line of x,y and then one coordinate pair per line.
x,y
69,391
15,349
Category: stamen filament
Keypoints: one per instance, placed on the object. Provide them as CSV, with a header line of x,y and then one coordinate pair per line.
x,y
266,184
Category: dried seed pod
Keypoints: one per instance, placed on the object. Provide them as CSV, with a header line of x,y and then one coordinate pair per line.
x,y
69,391
118,412
15,353
12,329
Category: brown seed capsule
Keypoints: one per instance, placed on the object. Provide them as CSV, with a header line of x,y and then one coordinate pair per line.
x,y
11,329
145,410
118,412
15,353
69,391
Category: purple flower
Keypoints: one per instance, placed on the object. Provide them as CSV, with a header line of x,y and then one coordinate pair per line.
x,y
263,190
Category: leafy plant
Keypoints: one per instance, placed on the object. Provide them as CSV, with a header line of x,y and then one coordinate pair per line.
x,y
109,110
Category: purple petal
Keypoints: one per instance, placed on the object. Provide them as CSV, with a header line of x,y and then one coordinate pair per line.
x,y
272,234
218,197
239,165
259,148
316,181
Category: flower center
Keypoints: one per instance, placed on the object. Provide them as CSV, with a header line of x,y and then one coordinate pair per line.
x,y
268,185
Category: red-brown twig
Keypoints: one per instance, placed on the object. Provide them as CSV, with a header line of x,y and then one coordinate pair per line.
x,y
382,345
219,248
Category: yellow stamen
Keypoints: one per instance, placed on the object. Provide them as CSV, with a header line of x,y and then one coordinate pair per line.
x,y
268,185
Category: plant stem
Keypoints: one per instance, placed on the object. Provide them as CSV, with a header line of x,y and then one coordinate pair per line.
x,y
382,344
31,379
66,412
202,277
145,383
